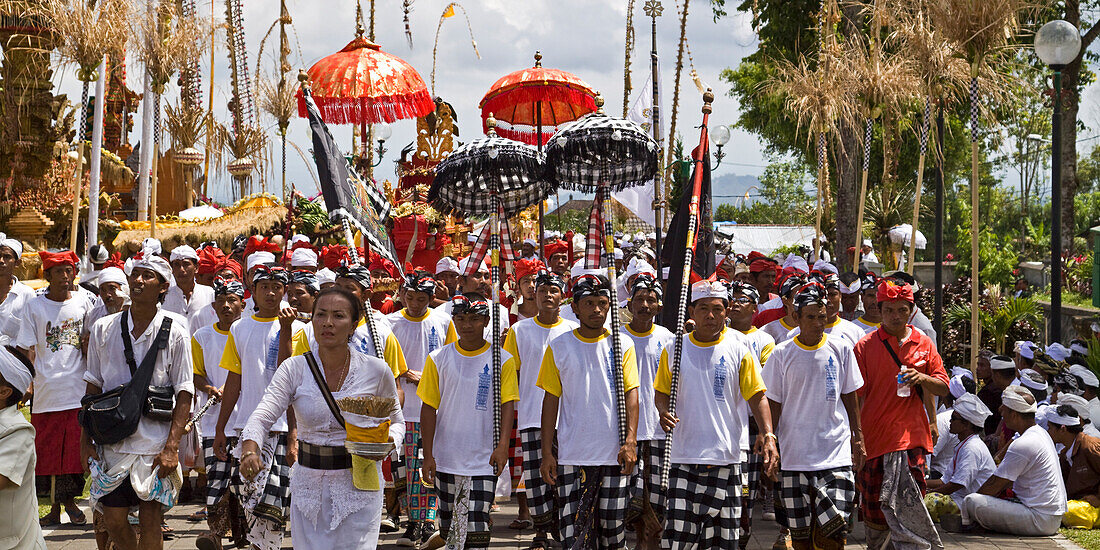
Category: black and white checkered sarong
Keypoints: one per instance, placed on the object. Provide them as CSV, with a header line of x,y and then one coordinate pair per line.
x,y
611,504
219,473
482,491
704,504
824,498
646,481
273,503
540,496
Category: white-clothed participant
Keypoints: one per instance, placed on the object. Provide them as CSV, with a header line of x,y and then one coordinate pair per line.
x,y
194,306
327,511
11,306
52,329
1083,410
971,464
207,346
418,337
19,529
1031,465
838,329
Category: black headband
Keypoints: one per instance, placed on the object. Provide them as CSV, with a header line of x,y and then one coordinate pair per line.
x,y
549,278
738,287
269,272
419,283
461,304
590,285
645,281
811,294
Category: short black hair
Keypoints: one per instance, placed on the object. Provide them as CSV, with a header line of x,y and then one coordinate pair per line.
x,y
1067,410
848,277
16,395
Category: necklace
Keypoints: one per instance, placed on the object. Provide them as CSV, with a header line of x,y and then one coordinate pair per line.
x,y
343,373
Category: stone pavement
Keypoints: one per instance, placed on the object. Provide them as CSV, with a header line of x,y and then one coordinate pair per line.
x,y
69,537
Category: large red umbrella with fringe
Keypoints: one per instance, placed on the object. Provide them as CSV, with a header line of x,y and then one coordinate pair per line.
x,y
533,102
361,84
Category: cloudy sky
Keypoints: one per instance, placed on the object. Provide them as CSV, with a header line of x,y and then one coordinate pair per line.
x,y
581,36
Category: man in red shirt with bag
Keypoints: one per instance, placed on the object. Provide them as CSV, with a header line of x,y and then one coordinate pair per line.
x,y
899,364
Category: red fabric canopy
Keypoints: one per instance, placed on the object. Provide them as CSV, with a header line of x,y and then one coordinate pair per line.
x,y
361,84
514,101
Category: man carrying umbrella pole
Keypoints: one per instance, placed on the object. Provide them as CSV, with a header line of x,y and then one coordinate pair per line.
x,y
590,468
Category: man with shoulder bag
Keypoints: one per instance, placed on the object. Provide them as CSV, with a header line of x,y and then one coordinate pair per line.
x,y
138,400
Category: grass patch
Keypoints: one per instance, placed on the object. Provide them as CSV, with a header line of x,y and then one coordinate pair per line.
x,y
1089,539
1068,298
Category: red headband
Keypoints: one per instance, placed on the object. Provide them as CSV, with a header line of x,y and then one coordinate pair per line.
x,y
52,259
209,258
258,244
889,291
760,265
528,267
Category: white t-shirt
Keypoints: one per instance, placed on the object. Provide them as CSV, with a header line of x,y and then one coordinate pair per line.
x,y
207,346
19,529
199,311
418,336
814,430
761,345
252,351
505,321
526,342
867,326
716,379
970,465
11,310
458,384
53,330
944,449
579,371
107,369
840,328
778,329
1031,464
1094,410
647,352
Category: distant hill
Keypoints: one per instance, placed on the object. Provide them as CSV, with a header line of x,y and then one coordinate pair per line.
x,y
729,188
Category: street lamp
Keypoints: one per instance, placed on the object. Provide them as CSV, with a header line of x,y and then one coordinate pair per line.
x,y
385,131
1057,44
720,136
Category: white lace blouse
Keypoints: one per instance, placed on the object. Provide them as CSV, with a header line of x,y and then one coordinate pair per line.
x,y
293,384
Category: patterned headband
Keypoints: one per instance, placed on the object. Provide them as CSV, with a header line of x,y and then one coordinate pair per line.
x,y
545,277
419,283
749,291
307,278
645,281
811,294
590,285
223,286
268,272
461,304
356,272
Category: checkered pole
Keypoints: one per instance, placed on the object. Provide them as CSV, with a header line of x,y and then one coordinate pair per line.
x,y
867,129
494,274
685,282
604,195
925,122
349,236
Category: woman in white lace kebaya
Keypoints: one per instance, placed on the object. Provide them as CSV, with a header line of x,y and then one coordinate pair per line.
x,y
326,510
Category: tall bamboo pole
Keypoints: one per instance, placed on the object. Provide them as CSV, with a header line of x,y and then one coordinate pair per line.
x,y
209,110
920,186
863,192
97,150
653,9
975,305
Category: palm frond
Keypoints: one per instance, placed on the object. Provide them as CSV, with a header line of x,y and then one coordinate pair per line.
x,y
85,33
278,101
169,42
818,96
882,81
185,126
976,29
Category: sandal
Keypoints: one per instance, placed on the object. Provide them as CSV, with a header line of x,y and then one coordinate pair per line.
x,y
198,516
76,516
540,542
50,520
521,524
166,532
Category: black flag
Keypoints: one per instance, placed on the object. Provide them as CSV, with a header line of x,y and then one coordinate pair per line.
x,y
348,196
676,242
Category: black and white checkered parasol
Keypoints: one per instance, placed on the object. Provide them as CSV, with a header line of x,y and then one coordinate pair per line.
x,y
598,148
466,181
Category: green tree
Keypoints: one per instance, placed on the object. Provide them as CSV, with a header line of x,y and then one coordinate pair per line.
x,y
783,197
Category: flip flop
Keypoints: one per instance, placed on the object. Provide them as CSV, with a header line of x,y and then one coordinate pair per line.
x,y
198,516
77,517
521,524
49,521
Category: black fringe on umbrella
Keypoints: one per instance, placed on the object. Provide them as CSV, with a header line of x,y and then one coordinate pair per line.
x,y
466,180
603,149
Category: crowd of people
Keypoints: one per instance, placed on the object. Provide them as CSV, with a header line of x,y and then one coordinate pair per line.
x,y
817,392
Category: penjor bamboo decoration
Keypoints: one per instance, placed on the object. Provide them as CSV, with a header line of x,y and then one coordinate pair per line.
x,y
976,31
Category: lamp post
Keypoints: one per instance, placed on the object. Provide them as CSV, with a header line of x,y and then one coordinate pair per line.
x,y
720,136
1057,44
384,133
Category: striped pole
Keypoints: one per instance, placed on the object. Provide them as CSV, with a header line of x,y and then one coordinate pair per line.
x,y
685,282
606,215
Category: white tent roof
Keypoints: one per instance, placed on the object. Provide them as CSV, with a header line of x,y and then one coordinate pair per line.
x,y
745,238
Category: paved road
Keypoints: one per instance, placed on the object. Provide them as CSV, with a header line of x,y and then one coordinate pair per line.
x,y
70,537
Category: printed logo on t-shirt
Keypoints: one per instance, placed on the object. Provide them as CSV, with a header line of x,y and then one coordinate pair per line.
x,y
611,370
363,345
433,340
484,382
660,348
271,359
65,333
720,379
830,380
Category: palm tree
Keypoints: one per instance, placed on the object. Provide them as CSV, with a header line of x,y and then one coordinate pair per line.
x,y
998,322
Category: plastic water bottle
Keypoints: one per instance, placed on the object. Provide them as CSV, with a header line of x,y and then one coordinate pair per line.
x,y
903,389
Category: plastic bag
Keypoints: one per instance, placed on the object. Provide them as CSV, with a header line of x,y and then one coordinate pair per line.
x,y
191,455
1080,515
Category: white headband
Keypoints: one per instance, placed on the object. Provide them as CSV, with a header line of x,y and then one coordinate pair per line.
x,y
446,264
972,409
14,371
709,289
325,276
1028,379
1058,352
1086,375
303,257
151,245
853,288
1078,347
1054,418
962,371
1076,401
259,257
155,264
183,252
111,275
1013,398
1000,362
14,244
956,387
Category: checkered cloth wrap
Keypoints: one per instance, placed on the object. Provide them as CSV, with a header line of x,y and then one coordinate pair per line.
x,y
598,148
704,503
267,496
824,498
466,180
645,484
482,246
869,483
602,524
482,489
515,454
219,473
540,496
420,500
750,475
593,244
323,457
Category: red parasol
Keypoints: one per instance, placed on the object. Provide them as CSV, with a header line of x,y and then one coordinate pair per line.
x,y
361,84
525,100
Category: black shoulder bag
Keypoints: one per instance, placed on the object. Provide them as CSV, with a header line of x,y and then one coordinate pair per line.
x,y
325,391
112,416
919,391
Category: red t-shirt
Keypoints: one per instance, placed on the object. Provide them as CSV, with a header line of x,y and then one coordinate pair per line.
x,y
892,423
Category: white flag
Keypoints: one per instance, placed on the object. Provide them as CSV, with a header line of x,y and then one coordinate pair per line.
x,y
640,199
